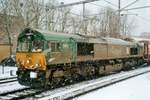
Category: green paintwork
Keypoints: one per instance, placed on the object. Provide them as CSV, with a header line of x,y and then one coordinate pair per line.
x,y
69,40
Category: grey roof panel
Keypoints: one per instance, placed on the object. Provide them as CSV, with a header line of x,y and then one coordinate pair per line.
x,y
117,41
89,39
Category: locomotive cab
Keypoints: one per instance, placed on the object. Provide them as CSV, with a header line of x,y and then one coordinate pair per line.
x,y
30,57
38,54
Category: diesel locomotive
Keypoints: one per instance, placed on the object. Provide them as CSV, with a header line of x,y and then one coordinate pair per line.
x,y
50,58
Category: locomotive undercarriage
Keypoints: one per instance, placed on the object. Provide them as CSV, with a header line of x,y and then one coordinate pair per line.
x,y
24,78
60,75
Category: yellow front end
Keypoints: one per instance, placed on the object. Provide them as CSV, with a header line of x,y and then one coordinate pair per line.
x,y
32,61
31,68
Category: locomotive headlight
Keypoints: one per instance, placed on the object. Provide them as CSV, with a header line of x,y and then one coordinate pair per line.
x,y
33,75
36,65
28,61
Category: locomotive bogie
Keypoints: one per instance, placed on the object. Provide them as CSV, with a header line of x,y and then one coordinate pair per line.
x,y
25,78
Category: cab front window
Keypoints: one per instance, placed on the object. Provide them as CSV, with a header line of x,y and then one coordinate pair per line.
x,y
23,46
30,46
37,46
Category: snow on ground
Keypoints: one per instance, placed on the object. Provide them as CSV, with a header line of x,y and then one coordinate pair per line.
x,y
137,88
7,87
7,71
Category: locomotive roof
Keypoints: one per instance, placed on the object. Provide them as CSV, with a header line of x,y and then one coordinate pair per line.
x,y
79,38
59,35
118,41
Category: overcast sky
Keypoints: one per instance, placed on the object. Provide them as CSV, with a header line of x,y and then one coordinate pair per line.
x,y
142,20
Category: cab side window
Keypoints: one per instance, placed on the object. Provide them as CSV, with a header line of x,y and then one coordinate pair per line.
x,y
85,49
38,44
133,51
54,46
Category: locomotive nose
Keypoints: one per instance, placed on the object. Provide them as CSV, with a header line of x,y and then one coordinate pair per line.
x,y
34,61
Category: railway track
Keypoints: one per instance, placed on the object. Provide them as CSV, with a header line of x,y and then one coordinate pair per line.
x,y
16,94
7,80
71,91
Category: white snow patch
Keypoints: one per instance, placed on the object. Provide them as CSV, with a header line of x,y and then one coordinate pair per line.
x,y
7,71
137,88
4,88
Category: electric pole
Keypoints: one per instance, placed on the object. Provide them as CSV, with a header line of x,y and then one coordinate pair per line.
x,y
119,7
84,26
47,22
119,19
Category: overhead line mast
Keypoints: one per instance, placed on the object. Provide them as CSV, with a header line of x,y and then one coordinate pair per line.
x,y
89,1
77,3
119,7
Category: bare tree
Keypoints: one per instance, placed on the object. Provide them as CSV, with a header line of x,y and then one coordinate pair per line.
x,y
6,11
107,22
127,26
40,14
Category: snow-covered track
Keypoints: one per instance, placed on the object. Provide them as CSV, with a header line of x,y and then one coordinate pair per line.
x,y
18,94
21,93
72,91
7,80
